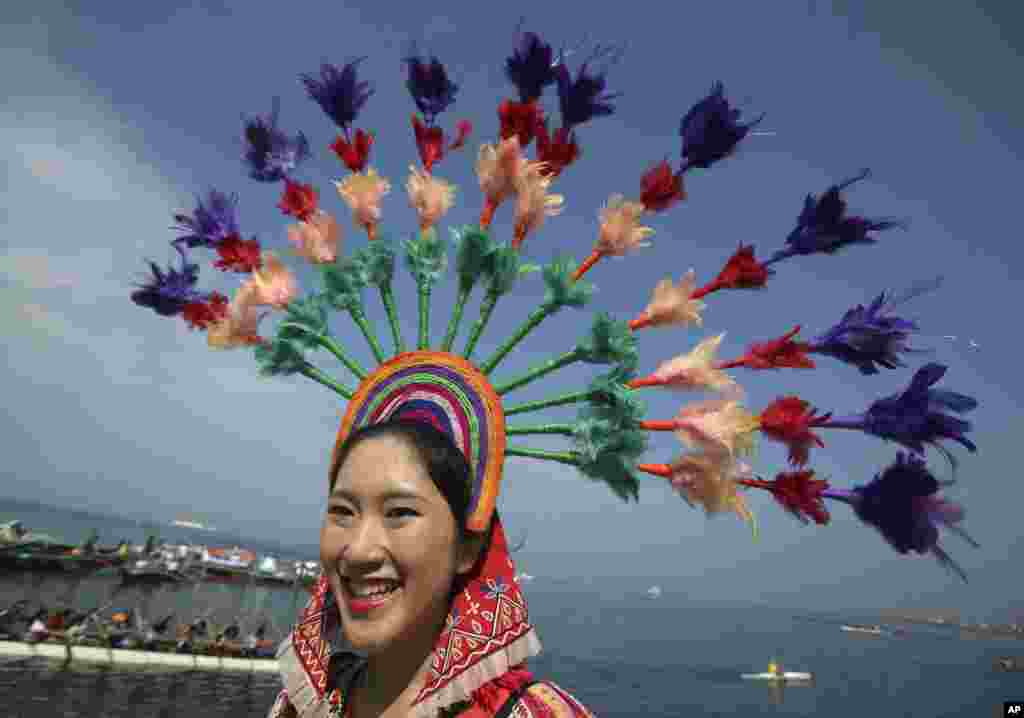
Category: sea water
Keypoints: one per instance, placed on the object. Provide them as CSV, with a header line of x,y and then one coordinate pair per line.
x,y
621,652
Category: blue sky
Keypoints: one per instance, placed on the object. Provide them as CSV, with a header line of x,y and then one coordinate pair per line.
x,y
115,119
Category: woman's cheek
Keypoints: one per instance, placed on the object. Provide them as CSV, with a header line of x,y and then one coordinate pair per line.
x,y
330,542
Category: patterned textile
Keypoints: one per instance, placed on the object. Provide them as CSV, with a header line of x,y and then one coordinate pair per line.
x,y
487,617
547,700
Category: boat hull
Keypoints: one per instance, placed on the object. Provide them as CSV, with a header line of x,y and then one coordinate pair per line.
x,y
226,575
151,577
862,630
56,563
269,580
783,677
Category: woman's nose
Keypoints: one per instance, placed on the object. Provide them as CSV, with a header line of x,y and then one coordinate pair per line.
x,y
367,542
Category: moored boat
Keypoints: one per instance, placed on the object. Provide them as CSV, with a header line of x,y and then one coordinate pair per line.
x,y
775,673
867,630
271,571
781,676
227,564
150,572
1009,664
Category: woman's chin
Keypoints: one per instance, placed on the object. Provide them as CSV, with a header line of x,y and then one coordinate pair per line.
x,y
371,645
372,634
380,635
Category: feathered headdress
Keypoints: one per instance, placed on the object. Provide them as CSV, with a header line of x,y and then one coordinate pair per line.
x,y
466,394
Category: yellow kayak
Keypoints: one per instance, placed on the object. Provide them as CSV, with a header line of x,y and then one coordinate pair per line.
x,y
774,674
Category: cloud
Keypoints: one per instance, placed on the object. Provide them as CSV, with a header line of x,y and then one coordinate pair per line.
x,y
81,209
87,269
77,169
32,271
19,311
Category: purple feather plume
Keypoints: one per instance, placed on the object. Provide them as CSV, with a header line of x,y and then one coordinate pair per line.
x,y
711,130
270,153
917,416
824,227
871,337
531,67
168,291
210,223
903,505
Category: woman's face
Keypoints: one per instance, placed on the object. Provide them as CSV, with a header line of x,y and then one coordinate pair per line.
x,y
389,547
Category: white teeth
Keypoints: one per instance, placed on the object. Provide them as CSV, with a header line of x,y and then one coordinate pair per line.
x,y
374,589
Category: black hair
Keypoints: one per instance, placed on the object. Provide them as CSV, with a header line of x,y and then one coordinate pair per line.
x,y
446,465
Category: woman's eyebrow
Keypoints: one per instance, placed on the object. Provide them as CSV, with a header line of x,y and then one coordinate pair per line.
x,y
401,494
405,494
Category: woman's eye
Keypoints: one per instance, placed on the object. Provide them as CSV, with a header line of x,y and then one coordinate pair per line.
x,y
401,513
339,510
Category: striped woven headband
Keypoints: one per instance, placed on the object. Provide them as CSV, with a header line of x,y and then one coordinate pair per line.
x,y
449,393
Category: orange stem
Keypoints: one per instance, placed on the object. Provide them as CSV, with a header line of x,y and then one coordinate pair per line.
x,y
487,213
663,470
589,262
655,425
712,286
371,230
645,381
731,363
520,235
641,322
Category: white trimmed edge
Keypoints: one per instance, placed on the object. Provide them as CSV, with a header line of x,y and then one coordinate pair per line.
x,y
124,657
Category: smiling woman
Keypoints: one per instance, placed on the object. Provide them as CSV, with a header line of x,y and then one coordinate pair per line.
x,y
391,545
415,614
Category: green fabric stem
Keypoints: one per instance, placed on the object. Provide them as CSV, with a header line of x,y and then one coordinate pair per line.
x,y
536,317
377,265
614,469
474,248
573,398
610,341
426,257
542,370
561,429
388,298
330,345
318,376
562,457
456,319
503,268
424,306
359,317
486,310
335,349
562,291
280,357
